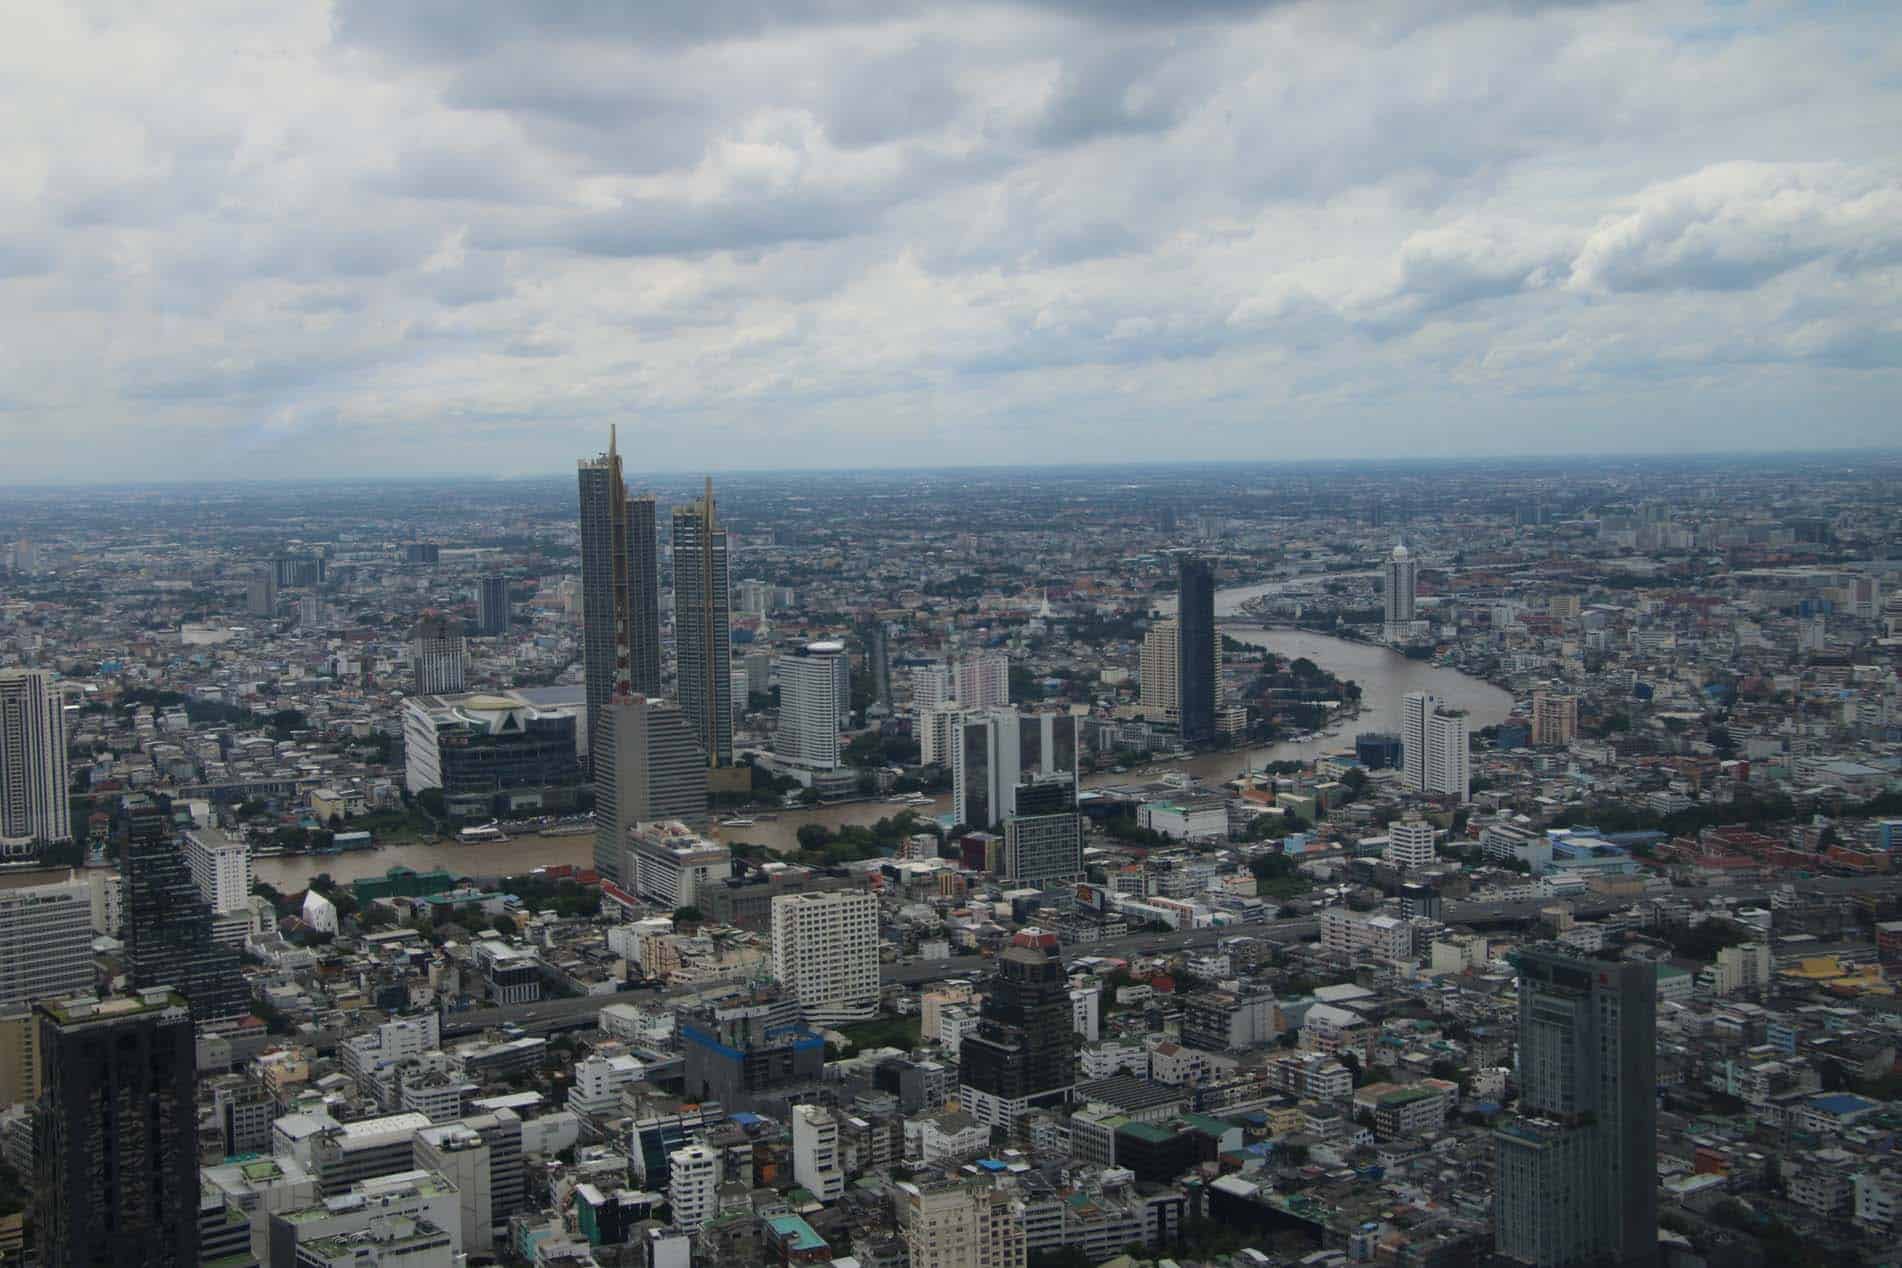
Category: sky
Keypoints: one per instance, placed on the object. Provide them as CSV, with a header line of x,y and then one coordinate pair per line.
x,y
462,237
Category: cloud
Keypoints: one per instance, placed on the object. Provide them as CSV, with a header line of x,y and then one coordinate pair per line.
x,y
1020,230
1734,226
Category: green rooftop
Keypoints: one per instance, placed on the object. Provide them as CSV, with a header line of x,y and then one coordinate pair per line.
x,y
795,1233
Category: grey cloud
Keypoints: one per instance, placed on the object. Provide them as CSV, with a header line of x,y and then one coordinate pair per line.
x,y
24,259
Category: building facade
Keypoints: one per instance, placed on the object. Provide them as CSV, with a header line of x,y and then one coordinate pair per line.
x,y
703,617
983,681
496,749
1434,757
33,766
810,681
1577,1166
648,767
492,604
115,1138
45,942
995,751
825,953
1400,580
169,927
436,655
1198,686
1022,1055
1554,718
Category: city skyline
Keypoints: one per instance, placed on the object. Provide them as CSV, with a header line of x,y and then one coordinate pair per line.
x,y
865,232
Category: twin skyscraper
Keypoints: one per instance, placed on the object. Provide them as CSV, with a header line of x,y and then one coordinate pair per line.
x,y
621,641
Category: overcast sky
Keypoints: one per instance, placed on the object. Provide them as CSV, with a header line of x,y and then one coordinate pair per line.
x,y
417,236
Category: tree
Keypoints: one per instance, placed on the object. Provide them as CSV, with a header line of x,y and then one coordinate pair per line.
x,y
1350,1059
503,924
688,916
813,836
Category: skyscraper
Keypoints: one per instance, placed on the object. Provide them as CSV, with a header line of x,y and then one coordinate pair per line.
x,y
1554,718
606,562
436,655
45,942
648,766
825,953
33,771
994,751
168,924
1159,669
1196,681
1023,1051
1577,1166
703,626
1397,594
260,593
809,682
930,691
492,604
1043,835
983,680
643,597
878,661
1433,741
115,1138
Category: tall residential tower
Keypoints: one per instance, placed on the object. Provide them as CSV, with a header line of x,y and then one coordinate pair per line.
x,y
703,618
33,771
620,587
1397,594
1578,1166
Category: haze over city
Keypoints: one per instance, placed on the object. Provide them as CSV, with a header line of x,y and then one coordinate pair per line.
x,y
464,238
1027,634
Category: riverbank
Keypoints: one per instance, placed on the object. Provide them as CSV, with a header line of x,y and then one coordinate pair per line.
x,y
1384,677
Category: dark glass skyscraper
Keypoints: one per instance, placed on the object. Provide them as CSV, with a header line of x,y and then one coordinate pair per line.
x,y
115,1135
492,605
1577,1168
1195,648
703,627
605,612
1023,1051
168,923
643,597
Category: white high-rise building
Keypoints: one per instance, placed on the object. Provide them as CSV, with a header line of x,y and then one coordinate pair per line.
x,y
1434,747
1410,843
221,868
930,692
1402,572
815,1138
995,750
693,1185
45,942
810,683
436,654
33,770
983,680
937,731
825,953
672,864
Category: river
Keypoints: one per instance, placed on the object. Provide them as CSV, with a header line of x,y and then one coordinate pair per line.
x,y
1385,677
